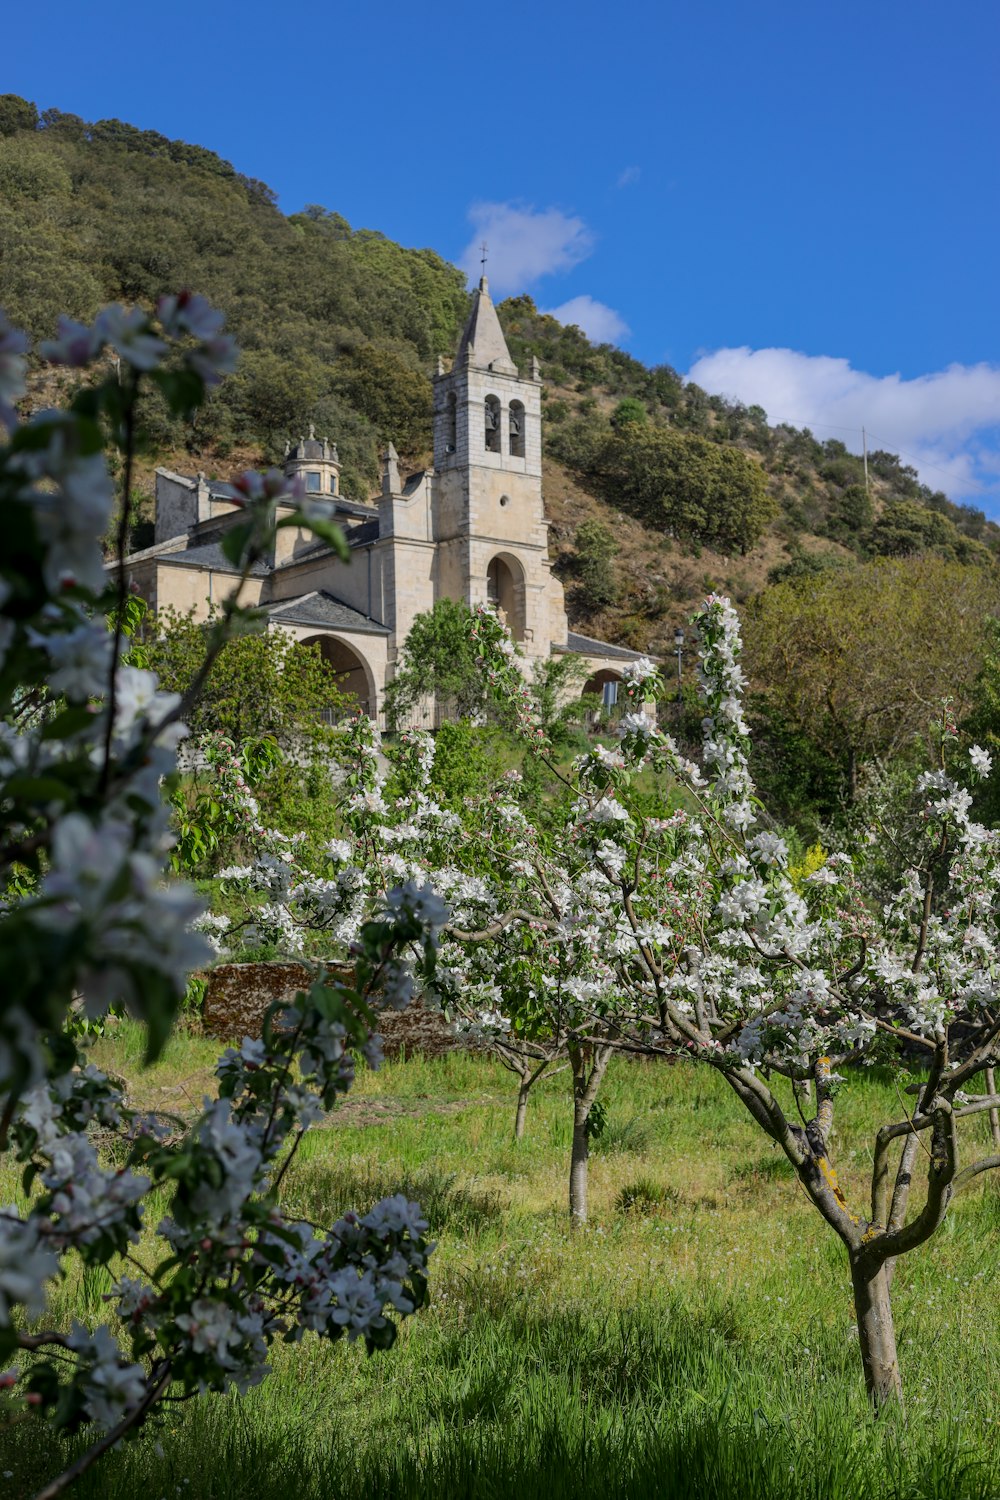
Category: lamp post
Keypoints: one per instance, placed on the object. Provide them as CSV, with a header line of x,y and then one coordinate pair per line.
x,y
679,648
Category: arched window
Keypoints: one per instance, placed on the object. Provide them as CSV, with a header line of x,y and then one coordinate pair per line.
x,y
492,415
451,424
516,421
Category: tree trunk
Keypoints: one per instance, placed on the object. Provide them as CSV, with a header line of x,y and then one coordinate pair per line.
x,y
852,776
594,1057
521,1113
876,1332
578,1169
991,1088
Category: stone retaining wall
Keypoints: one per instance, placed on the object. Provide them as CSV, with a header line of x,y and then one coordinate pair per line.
x,y
238,996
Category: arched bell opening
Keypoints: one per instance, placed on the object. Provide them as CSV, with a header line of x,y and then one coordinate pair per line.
x,y
515,419
492,419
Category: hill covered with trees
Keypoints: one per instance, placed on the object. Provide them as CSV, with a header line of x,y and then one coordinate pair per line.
x,y
656,489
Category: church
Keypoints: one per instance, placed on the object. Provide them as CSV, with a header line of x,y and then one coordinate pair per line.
x,y
472,528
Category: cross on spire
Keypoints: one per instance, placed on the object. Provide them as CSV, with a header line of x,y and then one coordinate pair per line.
x,y
482,259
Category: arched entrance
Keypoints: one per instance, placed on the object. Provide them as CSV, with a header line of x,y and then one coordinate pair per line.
x,y
353,674
505,591
606,685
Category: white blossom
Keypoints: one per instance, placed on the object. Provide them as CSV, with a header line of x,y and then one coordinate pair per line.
x,y
25,1265
980,760
111,1386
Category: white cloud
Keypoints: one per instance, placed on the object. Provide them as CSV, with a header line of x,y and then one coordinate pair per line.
x,y
524,244
946,424
629,177
598,321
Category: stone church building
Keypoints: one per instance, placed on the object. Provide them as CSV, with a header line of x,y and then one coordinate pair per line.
x,y
471,528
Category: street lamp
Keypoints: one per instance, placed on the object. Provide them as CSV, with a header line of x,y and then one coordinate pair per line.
x,y
679,648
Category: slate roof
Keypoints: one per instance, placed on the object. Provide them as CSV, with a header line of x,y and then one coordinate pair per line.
x,y
585,645
209,555
367,531
324,611
360,508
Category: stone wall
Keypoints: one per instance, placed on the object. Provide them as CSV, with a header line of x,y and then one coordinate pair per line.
x,y
238,996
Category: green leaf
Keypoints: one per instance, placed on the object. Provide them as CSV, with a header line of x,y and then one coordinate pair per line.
x,y
328,531
235,540
71,721
36,789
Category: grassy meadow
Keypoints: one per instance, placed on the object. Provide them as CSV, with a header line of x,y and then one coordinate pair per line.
x,y
695,1340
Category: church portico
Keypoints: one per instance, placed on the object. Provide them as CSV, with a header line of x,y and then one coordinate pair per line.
x,y
355,648
354,675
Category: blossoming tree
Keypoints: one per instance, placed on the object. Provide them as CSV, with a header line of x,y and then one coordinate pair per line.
x,y
523,953
87,745
719,956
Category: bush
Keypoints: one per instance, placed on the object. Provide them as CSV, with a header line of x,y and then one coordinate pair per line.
x,y
693,488
644,1197
595,549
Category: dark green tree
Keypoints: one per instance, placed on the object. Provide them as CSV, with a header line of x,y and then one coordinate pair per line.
x,y
850,514
396,398
17,114
439,660
858,660
631,409
274,395
595,549
266,684
693,488
907,528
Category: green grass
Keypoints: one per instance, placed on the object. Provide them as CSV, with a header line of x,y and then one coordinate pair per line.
x,y
695,1340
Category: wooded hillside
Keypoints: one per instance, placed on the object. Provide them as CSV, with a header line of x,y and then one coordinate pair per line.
x,y
657,491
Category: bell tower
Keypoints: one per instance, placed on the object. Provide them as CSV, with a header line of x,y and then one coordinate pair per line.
x,y
489,521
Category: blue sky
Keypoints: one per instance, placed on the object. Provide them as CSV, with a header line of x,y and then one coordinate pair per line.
x,y
796,204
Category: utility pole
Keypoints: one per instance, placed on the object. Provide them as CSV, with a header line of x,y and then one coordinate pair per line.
x,y
864,449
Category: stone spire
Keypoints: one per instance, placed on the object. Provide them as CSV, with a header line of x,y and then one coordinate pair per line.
x,y
483,344
390,471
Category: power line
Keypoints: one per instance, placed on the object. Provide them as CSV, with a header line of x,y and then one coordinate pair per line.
x,y
921,463
925,463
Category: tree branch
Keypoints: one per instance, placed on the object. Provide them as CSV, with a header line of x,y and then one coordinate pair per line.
x,y
69,1476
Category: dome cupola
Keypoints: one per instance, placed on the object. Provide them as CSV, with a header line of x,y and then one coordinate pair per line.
x,y
317,462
